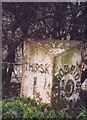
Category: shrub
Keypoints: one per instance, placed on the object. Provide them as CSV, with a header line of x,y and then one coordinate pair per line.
x,y
64,113
13,108
43,106
52,115
17,107
82,114
33,112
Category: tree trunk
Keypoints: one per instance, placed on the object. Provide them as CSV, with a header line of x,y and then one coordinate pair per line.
x,y
8,67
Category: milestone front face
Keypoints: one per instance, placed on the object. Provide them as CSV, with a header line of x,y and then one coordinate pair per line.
x,y
37,72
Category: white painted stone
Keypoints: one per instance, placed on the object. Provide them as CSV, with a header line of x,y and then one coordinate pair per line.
x,y
42,62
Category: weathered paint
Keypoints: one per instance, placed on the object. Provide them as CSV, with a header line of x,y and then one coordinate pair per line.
x,y
67,77
37,72
51,71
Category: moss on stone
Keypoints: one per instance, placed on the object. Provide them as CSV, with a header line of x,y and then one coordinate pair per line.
x,y
66,57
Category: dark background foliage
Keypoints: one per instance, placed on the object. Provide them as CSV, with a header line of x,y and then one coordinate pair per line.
x,y
39,20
